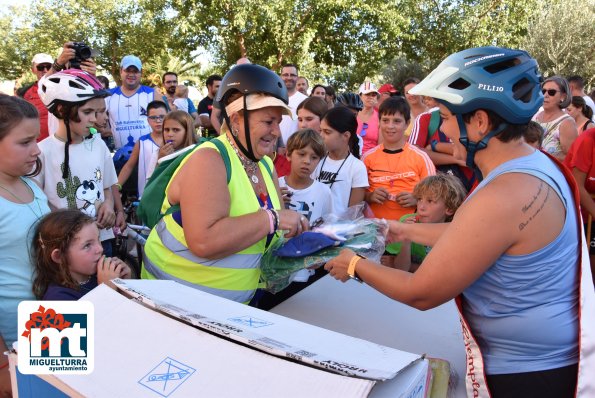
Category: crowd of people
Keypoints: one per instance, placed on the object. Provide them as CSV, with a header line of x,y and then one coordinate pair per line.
x,y
476,213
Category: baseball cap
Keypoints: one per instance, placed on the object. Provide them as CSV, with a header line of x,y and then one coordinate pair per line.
x,y
131,60
258,101
368,87
387,88
42,58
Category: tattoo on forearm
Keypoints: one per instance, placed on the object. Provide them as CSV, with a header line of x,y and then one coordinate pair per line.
x,y
547,195
528,206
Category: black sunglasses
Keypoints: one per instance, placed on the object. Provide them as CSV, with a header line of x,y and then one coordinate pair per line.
x,y
42,67
551,92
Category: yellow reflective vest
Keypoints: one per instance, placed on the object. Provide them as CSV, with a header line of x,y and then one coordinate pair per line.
x,y
236,277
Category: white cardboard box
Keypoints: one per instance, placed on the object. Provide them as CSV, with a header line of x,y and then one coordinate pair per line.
x,y
142,353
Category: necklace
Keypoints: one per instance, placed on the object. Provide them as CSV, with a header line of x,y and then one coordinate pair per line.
x,y
249,166
85,281
334,175
21,201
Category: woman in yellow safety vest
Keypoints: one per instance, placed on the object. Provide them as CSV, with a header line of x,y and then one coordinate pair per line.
x,y
230,211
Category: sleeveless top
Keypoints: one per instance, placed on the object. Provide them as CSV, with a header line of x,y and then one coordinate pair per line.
x,y
551,135
147,160
524,309
235,277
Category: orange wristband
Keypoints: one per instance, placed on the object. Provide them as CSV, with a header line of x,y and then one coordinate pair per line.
x,y
352,263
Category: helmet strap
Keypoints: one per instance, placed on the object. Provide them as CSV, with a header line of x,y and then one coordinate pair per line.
x,y
66,168
473,146
248,152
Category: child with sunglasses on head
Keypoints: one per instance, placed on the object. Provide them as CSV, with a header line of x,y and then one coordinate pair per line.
x,y
146,149
68,257
438,198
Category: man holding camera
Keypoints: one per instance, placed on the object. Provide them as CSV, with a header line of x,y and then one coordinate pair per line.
x,y
127,106
40,64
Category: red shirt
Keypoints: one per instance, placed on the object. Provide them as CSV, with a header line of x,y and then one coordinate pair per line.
x,y
32,96
582,156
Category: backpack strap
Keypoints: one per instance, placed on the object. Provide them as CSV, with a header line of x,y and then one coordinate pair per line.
x,y
223,151
227,162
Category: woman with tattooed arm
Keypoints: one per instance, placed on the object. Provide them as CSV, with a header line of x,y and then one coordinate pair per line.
x,y
514,256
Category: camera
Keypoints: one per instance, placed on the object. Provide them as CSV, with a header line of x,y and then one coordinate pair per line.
x,y
82,52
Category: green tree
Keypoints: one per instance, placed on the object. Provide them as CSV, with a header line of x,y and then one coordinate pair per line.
x,y
338,39
440,28
561,37
113,28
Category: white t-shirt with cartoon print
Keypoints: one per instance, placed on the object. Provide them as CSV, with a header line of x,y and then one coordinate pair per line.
x,y
312,202
91,171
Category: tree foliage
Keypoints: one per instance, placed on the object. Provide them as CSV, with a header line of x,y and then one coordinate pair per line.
x,y
325,38
339,42
561,37
440,28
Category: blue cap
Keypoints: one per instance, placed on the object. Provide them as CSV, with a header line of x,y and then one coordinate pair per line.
x,y
131,60
305,244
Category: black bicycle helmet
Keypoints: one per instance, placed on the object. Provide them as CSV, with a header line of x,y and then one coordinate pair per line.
x,y
249,79
350,100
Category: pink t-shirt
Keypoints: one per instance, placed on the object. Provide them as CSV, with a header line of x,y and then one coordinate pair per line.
x,y
371,136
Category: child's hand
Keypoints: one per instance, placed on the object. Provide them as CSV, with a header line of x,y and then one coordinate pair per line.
x,y
286,194
106,215
379,196
406,199
166,149
125,271
411,220
108,268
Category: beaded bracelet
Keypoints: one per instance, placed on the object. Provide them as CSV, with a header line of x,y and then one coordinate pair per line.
x,y
271,222
276,216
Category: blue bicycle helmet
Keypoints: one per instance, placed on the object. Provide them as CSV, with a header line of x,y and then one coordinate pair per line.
x,y
501,80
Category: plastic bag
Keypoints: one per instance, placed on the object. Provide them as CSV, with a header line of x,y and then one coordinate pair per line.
x,y
365,236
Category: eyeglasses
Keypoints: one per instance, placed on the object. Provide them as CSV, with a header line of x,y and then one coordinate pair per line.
x,y
156,117
364,130
42,67
551,92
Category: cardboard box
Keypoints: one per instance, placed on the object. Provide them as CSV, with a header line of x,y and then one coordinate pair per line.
x,y
209,346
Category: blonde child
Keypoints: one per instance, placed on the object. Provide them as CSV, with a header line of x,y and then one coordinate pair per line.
x,y
68,257
438,198
181,98
178,132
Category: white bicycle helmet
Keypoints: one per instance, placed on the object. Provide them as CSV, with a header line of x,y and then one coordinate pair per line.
x,y
69,87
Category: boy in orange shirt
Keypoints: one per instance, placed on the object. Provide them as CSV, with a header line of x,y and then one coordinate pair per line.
x,y
394,167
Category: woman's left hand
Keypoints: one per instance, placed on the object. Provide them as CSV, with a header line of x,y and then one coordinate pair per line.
x,y
337,267
293,222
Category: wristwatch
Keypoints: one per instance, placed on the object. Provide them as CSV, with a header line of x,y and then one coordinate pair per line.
x,y
351,268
